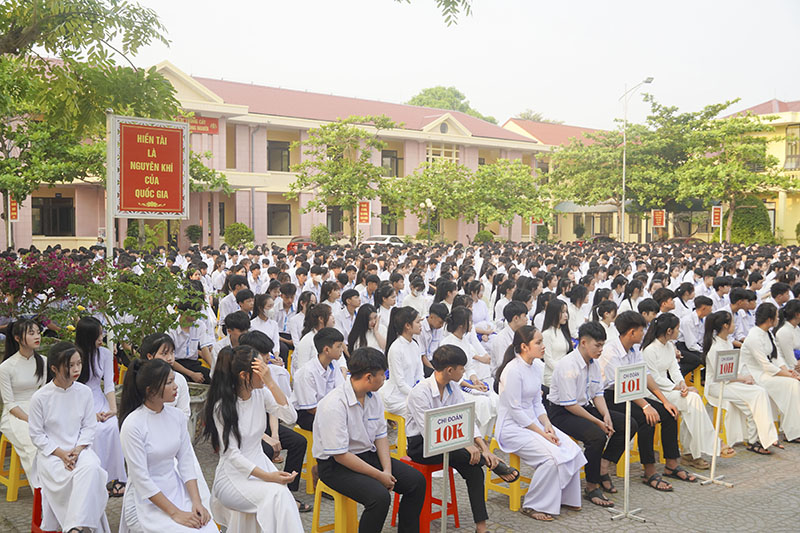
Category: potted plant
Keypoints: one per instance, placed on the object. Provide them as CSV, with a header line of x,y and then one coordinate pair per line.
x,y
194,233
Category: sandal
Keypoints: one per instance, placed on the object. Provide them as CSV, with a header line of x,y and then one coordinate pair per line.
x,y
727,452
571,507
503,469
676,474
699,463
115,488
793,441
303,507
611,489
536,515
757,448
659,483
597,494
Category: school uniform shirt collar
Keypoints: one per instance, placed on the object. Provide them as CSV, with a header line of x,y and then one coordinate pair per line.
x,y
434,387
350,394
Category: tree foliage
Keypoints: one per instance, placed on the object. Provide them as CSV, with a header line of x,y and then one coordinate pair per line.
x,y
338,167
441,97
237,234
447,184
536,116
451,9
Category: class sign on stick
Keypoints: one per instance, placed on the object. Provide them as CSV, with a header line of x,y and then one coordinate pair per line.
x,y
630,383
727,365
448,428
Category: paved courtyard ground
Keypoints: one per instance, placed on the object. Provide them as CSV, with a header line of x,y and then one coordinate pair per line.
x,y
764,498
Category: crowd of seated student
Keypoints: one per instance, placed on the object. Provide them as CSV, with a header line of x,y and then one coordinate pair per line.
x,y
531,334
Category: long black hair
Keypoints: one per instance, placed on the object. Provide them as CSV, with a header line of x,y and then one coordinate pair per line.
x,y
20,329
398,319
327,288
788,312
382,293
523,335
629,288
542,301
552,318
714,323
358,333
314,314
659,326
222,394
606,306
87,331
153,342
459,316
59,355
142,380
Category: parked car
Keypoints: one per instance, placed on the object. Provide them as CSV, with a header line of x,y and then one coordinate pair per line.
x,y
595,239
686,240
386,240
300,242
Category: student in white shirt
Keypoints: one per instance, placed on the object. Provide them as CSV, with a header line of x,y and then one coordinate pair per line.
x,y
417,298
245,481
431,334
516,316
228,304
684,297
605,313
365,330
192,341
297,322
439,390
160,346
577,298
62,422
319,376
630,300
523,428
352,449
404,358
690,337
262,322
578,408
557,339
346,315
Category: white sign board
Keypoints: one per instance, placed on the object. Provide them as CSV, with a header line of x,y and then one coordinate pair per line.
x,y
630,383
727,367
448,428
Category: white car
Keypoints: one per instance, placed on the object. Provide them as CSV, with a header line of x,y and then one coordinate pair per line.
x,y
386,240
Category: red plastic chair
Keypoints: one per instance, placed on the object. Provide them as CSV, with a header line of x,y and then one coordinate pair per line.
x,y
36,519
427,516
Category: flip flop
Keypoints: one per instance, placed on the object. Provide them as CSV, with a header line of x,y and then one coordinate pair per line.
x,y
658,479
590,495
675,474
303,507
115,488
503,469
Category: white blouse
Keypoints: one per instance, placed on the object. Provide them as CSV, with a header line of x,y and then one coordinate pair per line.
x,y
662,364
555,348
405,371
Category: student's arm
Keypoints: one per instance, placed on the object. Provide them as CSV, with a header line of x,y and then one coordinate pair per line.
x,y
653,387
108,384
382,447
356,464
7,394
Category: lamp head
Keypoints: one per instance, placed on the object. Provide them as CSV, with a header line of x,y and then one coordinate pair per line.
x,y
648,79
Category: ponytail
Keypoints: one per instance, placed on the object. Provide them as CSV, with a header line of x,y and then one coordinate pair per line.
x,y
786,313
459,316
659,327
142,380
606,306
523,335
714,324
399,317
20,329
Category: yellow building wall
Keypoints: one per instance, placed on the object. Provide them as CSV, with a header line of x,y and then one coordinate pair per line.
x,y
286,136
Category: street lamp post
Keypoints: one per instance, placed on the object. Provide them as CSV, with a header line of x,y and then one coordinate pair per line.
x,y
625,97
427,205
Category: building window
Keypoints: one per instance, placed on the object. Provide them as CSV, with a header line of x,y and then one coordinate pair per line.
x,y
279,219
606,221
278,156
221,219
481,161
446,152
53,217
792,147
555,224
577,221
390,163
388,227
634,224
334,219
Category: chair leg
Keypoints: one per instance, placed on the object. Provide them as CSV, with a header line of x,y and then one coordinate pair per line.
x,y
453,499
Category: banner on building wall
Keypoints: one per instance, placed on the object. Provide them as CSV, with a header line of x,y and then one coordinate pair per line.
x,y
149,168
364,213
716,216
537,221
201,124
659,218
13,210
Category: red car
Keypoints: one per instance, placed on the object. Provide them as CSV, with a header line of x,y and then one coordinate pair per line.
x,y
300,242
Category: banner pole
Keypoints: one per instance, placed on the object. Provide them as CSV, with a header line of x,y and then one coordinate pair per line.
x,y
110,179
626,512
445,489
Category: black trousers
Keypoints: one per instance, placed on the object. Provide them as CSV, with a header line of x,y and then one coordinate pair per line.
x,y
459,459
669,429
376,498
690,360
295,445
305,419
194,365
596,445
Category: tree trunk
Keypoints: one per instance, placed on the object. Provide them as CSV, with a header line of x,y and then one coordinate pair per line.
x,y
353,234
510,226
7,221
731,207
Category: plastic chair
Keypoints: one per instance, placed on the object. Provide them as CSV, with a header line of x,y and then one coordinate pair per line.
x,y
697,382
398,451
122,370
345,514
721,425
36,518
310,462
11,477
427,515
514,490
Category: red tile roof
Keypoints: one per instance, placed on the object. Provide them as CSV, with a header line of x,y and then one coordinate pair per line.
x,y
554,134
316,106
770,106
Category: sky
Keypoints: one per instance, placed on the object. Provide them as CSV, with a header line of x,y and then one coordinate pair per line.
x,y
571,60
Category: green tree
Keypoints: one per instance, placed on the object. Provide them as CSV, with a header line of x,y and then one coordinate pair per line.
x,y
440,97
338,166
536,116
451,9
237,234
505,189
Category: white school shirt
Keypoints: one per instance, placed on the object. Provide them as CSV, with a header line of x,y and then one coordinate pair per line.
x,y
555,348
755,353
227,306
681,308
344,321
282,316
296,327
188,343
304,351
269,328
61,418
574,382
425,396
405,371
614,355
429,338
576,319
692,329
224,342
218,280
313,381
788,340
498,345
342,424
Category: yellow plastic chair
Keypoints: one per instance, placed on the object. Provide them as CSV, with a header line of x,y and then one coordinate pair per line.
x,y
345,514
513,490
310,462
122,370
634,457
11,477
697,382
721,426
398,450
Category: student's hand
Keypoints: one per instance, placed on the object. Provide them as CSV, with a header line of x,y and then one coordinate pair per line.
x,y
188,519
201,513
651,415
474,454
608,425
387,480
276,360
692,389
197,377
678,354
281,478
275,443
550,434
748,380
491,460
65,458
671,409
262,369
